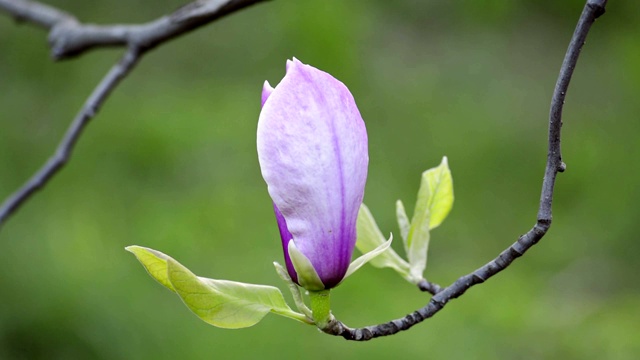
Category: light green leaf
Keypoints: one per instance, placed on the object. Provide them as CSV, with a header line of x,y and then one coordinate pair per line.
x,y
441,192
307,274
370,237
418,247
366,257
403,223
154,262
434,202
222,303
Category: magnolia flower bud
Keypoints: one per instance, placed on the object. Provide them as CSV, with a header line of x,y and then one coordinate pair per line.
x,y
312,148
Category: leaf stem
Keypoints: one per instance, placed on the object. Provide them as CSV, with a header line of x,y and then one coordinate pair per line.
x,y
295,291
294,315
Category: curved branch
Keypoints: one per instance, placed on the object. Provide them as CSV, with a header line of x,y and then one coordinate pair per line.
x,y
592,10
68,37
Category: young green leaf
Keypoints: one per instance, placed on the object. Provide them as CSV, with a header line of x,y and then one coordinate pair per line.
x,y
370,237
433,204
403,223
307,276
222,303
441,189
154,262
366,257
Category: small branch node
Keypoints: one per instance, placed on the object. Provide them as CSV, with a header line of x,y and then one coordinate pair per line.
x,y
515,251
562,167
437,302
429,287
598,7
479,278
544,223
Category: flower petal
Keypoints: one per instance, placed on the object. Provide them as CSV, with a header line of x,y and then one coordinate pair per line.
x,y
266,91
286,237
312,148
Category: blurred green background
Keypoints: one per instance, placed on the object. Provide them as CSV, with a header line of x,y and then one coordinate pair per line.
x,y
170,163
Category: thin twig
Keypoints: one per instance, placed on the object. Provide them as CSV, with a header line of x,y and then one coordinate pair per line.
x,y
428,286
65,148
68,37
592,10
39,14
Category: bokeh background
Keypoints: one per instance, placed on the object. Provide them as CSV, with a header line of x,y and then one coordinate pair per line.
x,y
170,163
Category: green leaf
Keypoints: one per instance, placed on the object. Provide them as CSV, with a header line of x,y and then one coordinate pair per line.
x,y
433,204
418,241
154,262
222,303
307,275
370,237
441,189
403,224
366,257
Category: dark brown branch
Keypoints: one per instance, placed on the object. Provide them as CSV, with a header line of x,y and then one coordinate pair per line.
x,y
68,37
592,10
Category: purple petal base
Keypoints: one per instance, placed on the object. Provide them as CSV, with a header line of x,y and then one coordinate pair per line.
x,y
286,236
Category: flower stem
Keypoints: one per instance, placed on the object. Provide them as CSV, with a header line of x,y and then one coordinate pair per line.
x,y
321,307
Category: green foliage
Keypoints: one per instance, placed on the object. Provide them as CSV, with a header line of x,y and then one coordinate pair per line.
x,y
433,204
370,237
436,190
155,263
368,256
307,275
403,223
434,201
221,303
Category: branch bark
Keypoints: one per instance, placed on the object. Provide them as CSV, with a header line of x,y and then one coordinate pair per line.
x,y
428,286
65,148
592,10
68,38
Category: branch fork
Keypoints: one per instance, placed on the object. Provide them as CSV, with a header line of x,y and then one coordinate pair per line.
x,y
68,38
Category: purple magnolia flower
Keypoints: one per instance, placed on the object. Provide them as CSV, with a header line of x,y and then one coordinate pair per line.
x,y
312,148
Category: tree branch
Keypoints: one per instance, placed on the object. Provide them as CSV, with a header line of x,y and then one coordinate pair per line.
x,y
42,15
65,148
68,37
592,10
